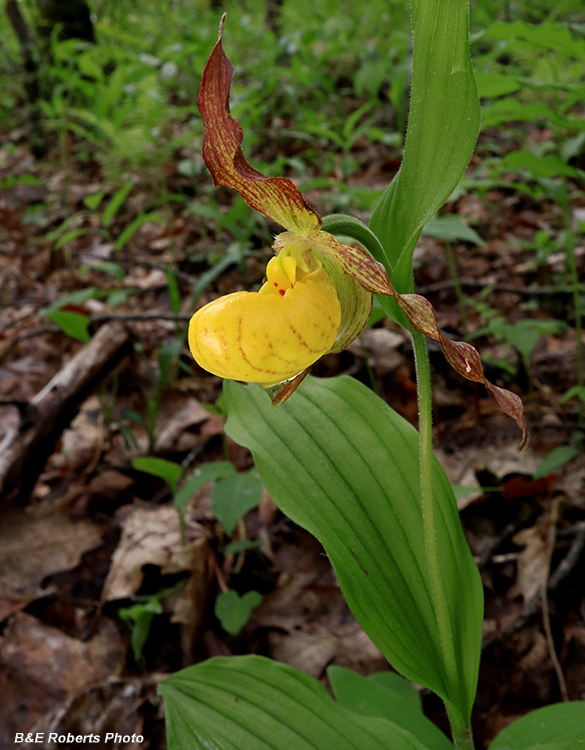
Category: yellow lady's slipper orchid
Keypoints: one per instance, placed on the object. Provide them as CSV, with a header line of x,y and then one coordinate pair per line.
x,y
274,334
318,294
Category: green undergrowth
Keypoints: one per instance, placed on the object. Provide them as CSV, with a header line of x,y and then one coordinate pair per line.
x,y
321,93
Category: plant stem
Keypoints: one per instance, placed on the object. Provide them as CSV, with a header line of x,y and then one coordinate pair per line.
x,y
573,270
425,417
452,264
461,735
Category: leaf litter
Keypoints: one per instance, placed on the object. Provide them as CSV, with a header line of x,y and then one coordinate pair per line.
x,y
95,535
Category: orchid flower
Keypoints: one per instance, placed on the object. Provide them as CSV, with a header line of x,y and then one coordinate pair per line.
x,y
318,293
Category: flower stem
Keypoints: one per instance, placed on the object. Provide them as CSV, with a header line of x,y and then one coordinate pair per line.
x,y
461,735
425,417
351,227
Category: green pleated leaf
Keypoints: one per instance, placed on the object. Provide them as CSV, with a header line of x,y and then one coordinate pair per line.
x,y
391,697
557,727
339,462
398,686
253,703
443,125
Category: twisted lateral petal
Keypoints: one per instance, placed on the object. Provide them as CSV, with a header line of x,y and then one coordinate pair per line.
x,y
463,357
276,197
355,261
358,264
270,337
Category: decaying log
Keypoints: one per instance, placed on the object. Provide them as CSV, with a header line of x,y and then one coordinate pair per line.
x,y
25,449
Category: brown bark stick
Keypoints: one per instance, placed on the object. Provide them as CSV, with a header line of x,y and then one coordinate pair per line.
x,y
24,450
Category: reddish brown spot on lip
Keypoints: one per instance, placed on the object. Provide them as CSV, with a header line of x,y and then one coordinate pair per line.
x,y
275,284
281,291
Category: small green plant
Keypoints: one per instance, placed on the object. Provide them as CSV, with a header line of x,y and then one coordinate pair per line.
x,y
233,610
335,458
139,618
110,101
64,234
74,322
449,229
548,89
168,360
522,336
555,459
233,495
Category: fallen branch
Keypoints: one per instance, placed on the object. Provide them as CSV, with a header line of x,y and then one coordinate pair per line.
x,y
25,449
138,317
102,318
529,291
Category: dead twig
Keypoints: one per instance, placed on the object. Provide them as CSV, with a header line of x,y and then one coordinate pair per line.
x,y
572,557
139,317
554,514
103,318
24,449
530,291
506,534
562,571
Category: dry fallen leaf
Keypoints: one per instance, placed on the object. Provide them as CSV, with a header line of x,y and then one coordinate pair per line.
x,y
537,655
573,483
151,536
82,442
186,414
143,279
314,649
533,561
64,665
115,706
461,465
40,666
35,545
309,624
381,346
109,485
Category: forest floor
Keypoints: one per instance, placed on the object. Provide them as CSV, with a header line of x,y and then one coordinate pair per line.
x,y
84,534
